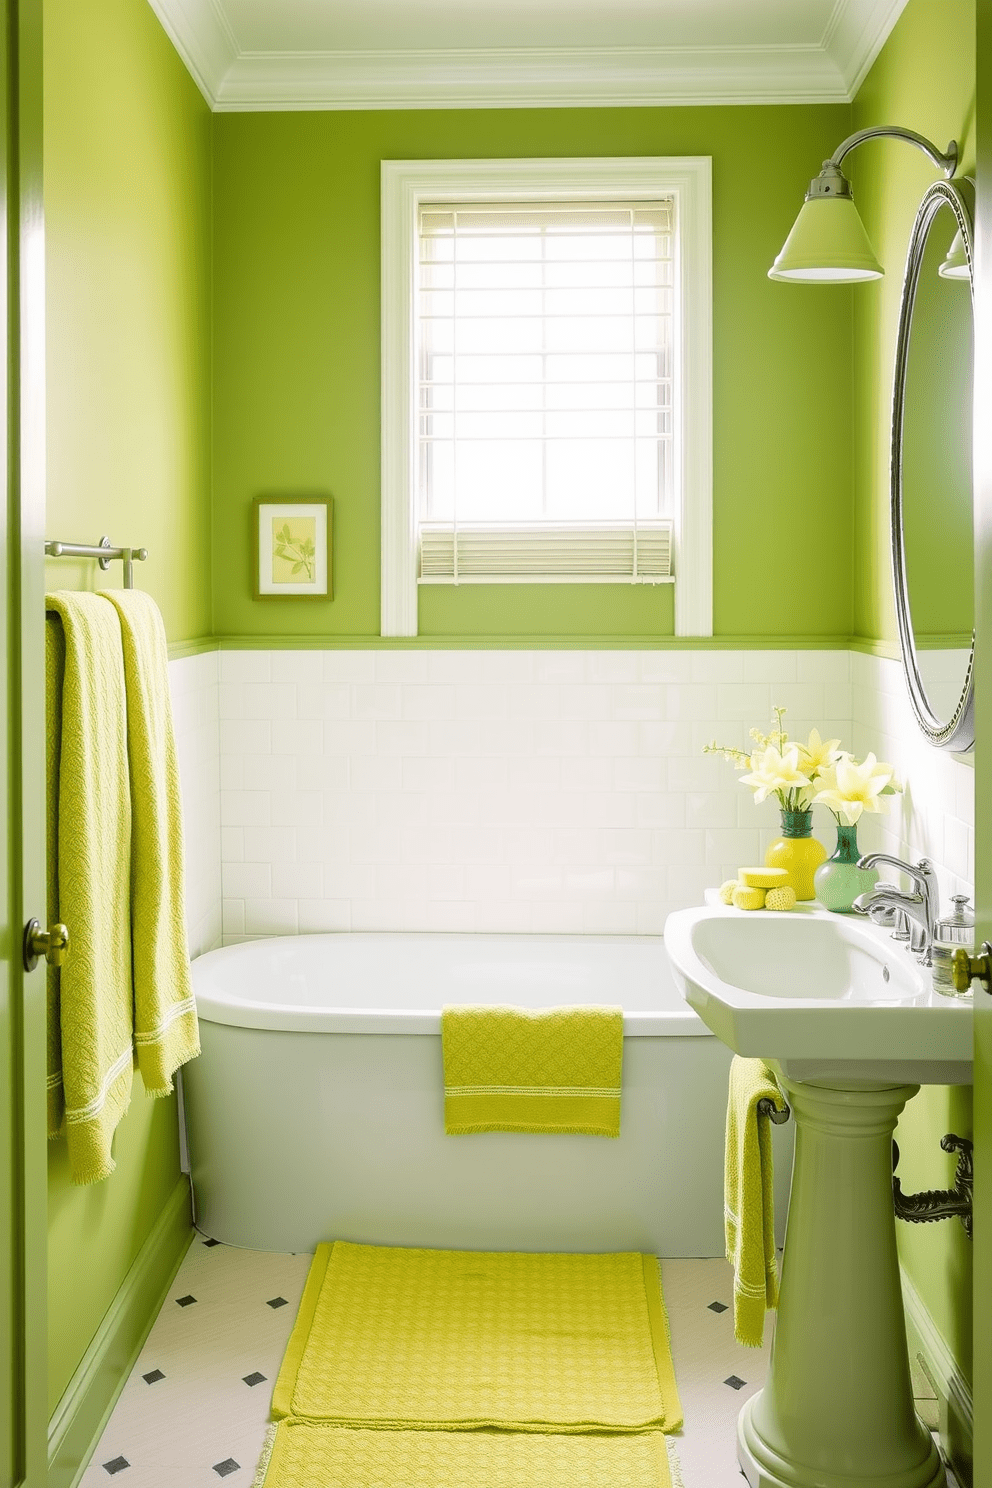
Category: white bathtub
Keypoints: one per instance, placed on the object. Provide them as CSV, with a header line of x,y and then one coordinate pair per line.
x,y
315,1111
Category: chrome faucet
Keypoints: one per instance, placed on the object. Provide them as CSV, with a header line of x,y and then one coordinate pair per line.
x,y
920,905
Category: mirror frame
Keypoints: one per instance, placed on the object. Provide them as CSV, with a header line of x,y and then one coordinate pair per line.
x,y
957,733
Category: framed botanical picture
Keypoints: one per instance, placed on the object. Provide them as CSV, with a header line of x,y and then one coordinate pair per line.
x,y
292,547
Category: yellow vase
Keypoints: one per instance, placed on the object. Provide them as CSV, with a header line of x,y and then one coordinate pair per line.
x,y
798,852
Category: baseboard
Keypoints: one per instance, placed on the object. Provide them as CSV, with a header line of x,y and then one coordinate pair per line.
x,y
91,1394
953,1390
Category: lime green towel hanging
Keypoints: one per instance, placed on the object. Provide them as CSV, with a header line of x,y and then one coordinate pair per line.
x,y
165,1025
90,1048
749,1197
553,1070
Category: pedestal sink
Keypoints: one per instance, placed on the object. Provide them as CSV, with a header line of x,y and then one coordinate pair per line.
x,y
848,1020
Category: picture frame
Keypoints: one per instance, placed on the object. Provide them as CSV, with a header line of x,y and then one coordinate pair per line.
x,y
291,547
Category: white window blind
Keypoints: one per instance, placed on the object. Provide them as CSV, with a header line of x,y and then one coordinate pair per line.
x,y
545,349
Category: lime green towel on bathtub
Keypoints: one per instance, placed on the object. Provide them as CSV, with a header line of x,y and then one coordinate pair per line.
x,y
749,1208
165,1025
553,1070
90,1051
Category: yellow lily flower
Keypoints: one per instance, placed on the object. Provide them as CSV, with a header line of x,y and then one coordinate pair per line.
x,y
849,788
774,770
819,754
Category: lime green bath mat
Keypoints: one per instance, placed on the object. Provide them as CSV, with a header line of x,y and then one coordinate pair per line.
x,y
303,1454
447,1340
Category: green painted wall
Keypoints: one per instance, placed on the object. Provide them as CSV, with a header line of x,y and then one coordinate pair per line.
x,y
127,190
127,203
923,79
296,358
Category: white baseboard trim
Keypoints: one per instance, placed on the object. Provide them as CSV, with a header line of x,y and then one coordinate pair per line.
x,y
950,1384
91,1394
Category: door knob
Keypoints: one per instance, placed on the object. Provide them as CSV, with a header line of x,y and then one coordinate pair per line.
x,y
965,969
52,943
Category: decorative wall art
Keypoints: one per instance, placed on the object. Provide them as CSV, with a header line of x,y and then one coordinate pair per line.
x,y
292,547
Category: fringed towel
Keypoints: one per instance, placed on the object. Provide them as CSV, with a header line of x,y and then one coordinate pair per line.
x,y
90,1040
302,1454
555,1070
749,1205
165,1025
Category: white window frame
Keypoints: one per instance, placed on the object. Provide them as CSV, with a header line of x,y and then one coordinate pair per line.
x,y
408,183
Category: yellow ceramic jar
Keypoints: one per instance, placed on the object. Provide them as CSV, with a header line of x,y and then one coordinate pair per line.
x,y
798,852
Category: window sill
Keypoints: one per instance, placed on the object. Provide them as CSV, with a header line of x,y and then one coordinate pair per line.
x,y
546,579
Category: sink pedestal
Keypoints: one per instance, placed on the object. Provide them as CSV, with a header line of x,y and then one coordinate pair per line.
x,y
837,1410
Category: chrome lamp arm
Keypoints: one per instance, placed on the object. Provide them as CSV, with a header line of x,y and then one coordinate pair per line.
x,y
946,160
832,181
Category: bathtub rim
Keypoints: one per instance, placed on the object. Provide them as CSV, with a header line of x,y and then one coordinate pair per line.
x,y
226,1008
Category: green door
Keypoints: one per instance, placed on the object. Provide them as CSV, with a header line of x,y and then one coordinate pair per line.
x,y
23,1425
983,754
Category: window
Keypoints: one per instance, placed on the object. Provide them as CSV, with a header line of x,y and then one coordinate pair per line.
x,y
546,377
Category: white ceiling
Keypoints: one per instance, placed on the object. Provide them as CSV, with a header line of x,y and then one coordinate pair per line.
x,y
300,54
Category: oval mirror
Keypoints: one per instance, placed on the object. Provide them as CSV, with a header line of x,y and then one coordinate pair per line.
x,y
931,470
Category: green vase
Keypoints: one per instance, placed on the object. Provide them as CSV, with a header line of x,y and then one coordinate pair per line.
x,y
797,851
839,880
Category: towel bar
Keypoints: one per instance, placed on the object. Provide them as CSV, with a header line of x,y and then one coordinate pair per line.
x,y
103,552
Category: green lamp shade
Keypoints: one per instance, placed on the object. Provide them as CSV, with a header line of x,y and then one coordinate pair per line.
x,y
827,245
955,265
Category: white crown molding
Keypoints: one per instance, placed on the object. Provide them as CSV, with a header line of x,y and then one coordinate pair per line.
x,y
201,34
856,34
531,78
233,80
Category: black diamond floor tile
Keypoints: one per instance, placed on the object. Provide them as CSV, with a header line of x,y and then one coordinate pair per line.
x,y
116,1465
225,1468
277,1302
254,1379
735,1382
154,1377
211,1242
185,1301
717,1306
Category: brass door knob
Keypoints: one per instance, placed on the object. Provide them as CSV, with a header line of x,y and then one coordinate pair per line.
x,y
52,943
965,969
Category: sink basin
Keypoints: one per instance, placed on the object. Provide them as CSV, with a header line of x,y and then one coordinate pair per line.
x,y
826,997
852,1027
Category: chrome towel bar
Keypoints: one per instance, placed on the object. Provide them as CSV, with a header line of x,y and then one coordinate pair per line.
x,y
104,552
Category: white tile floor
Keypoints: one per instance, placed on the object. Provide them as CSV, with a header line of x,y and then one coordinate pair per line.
x,y
195,1408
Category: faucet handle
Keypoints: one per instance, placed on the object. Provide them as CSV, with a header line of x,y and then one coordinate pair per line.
x,y
902,923
879,914
888,916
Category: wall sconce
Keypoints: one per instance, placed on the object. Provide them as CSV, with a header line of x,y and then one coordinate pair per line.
x,y
828,243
